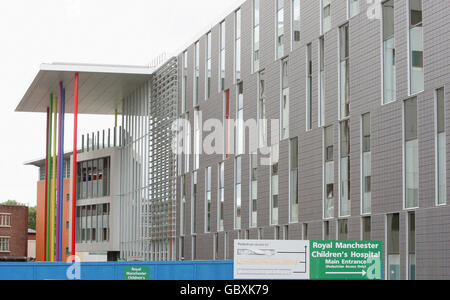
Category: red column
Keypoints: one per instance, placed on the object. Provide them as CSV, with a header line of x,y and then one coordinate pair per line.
x,y
74,167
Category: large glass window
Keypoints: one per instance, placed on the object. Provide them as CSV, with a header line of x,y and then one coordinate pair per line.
x,y
274,184
4,244
222,57
226,122
196,72
255,55
194,203
412,246
240,120
345,204
309,80
92,223
253,190
221,197
183,205
389,74
262,117
344,77
238,192
366,228
208,199
296,24
280,29
237,45
411,154
353,8
329,173
393,246
321,81
197,139
94,179
366,165
325,15
284,100
293,180
416,68
441,155
343,230
187,145
208,66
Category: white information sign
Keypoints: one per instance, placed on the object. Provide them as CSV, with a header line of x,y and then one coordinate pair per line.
x,y
271,259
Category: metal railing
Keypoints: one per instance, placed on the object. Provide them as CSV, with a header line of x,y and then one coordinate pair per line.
x,y
105,139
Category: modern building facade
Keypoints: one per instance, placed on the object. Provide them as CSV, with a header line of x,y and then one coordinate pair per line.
x,y
359,149
350,122
13,231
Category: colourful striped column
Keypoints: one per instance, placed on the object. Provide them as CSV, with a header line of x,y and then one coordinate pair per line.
x,y
46,183
74,167
61,181
53,199
58,175
49,181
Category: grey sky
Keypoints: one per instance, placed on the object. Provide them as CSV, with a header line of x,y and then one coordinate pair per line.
x,y
130,32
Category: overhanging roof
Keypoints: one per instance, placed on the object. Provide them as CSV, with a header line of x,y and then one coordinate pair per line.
x,y
101,87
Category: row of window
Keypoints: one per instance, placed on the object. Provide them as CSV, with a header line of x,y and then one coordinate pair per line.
x,y
411,172
93,178
415,46
92,223
4,244
5,220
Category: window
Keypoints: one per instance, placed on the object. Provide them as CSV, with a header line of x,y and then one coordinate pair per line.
x,y
284,134
208,66
309,80
366,228
411,154
295,24
343,230
194,203
5,220
183,205
182,248
274,185
393,246
326,230
262,118
197,138
325,16
416,68
240,140
216,246
353,8
238,192
322,81
305,232
345,204
184,83
194,247
4,244
277,235
208,200
441,148
226,121
237,45
412,246
221,196
253,190
329,173
389,76
280,29
293,180
366,165
187,144
92,223
344,77
196,72
93,179
255,59
222,57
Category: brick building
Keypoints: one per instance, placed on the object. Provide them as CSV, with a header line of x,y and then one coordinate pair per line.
x,y
13,231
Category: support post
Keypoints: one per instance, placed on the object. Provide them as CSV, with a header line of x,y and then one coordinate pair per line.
x,y
74,167
49,192
61,184
53,198
46,183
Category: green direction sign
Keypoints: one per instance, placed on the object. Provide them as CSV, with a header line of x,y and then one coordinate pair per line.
x,y
136,273
346,260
